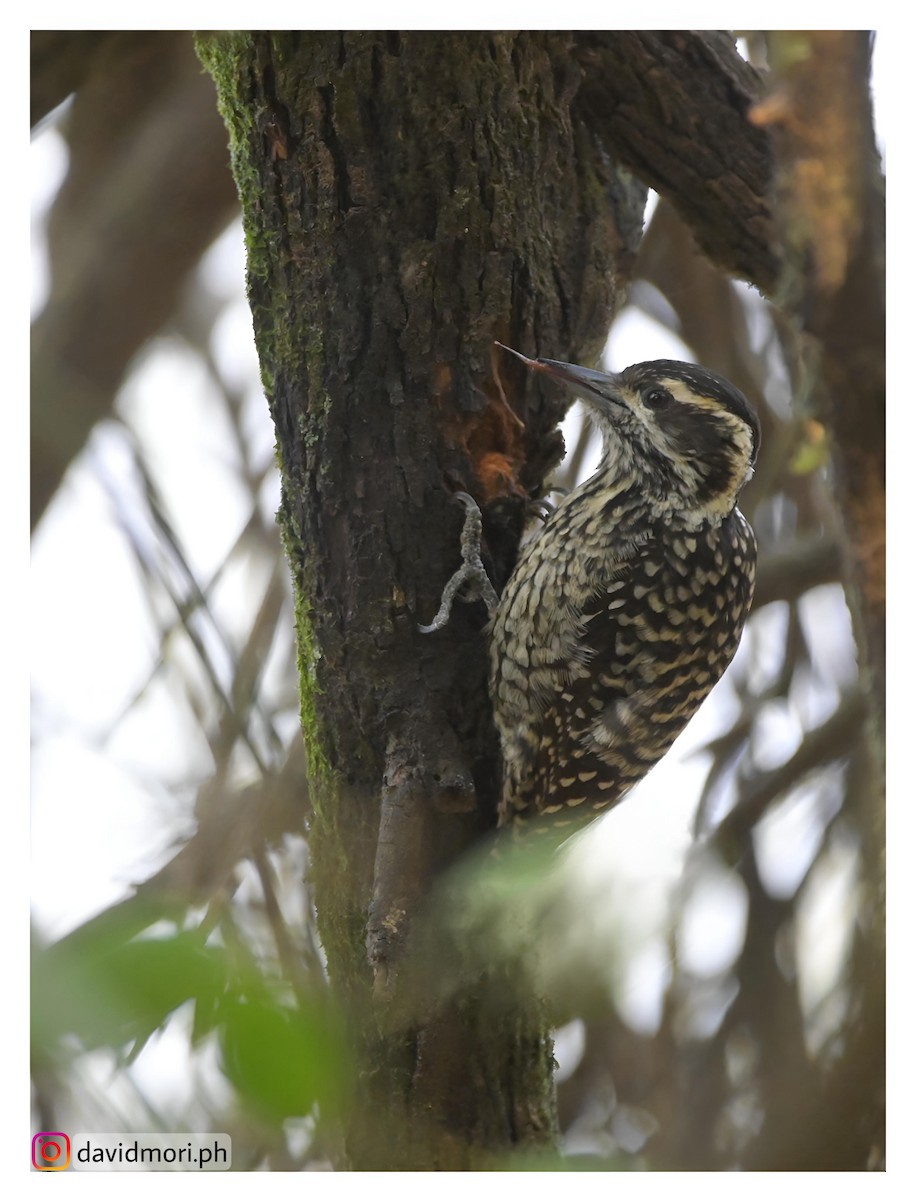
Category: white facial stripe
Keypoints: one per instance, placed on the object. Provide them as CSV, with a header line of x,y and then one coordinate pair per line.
x,y
681,391
740,430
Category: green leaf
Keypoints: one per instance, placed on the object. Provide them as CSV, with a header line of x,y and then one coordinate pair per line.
x,y
112,992
283,1061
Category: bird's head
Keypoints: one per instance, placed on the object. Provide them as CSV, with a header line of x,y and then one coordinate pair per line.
x,y
682,431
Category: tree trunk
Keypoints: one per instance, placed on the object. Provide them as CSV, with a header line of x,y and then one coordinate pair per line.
x,y
409,198
831,206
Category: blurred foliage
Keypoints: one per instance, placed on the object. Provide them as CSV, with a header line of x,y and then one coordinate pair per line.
x,y
282,1050
750,1062
107,991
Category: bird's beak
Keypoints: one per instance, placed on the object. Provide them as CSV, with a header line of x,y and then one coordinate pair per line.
x,y
581,380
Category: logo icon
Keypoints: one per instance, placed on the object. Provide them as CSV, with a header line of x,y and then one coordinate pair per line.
x,y
50,1151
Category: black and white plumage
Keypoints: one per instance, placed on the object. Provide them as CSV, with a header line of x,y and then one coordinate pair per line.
x,y
625,609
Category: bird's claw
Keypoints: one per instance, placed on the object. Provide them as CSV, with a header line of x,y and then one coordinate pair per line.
x,y
471,575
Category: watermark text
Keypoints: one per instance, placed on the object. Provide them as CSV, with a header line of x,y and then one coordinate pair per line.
x,y
54,1151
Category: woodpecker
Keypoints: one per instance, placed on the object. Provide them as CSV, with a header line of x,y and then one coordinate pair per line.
x,y
625,609
627,606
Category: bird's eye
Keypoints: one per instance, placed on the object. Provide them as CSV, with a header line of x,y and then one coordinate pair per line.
x,y
656,397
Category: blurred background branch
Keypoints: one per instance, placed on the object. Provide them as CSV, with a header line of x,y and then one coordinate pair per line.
x,y
147,190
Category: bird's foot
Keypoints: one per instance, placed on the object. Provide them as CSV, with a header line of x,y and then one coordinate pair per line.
x,y
542,509
471,576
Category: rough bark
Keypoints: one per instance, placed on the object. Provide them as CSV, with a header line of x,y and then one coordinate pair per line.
x,y
674,106
407,200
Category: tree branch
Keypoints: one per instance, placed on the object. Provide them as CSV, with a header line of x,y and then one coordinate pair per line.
x,y
833,739
791,573
675,108
831,210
